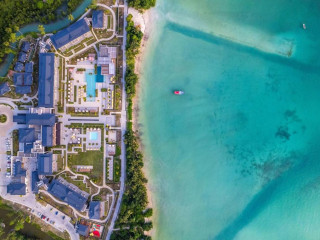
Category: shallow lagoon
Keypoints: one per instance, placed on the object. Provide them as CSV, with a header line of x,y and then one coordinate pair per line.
x,y
236,157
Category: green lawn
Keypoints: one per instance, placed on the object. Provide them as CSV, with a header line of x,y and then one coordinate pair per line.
x,y
15,145
79,183
59,162
93,158
116,169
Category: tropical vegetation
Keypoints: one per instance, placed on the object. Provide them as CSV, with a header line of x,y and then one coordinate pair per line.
x,y
15,14
142,4
131,219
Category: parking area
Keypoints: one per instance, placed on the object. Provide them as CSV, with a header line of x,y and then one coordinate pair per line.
x,y
51,216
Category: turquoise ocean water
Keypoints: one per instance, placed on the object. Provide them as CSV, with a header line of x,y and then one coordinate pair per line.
x,y
238,156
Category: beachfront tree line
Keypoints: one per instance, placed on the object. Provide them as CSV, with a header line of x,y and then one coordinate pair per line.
x,y
142,4
15,14
133,211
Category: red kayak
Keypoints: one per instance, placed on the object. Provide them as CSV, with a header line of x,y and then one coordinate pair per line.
x,y
178,92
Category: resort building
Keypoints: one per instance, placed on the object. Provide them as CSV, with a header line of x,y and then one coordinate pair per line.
x,y
34,182
25,47
71,35
46,80
4,88
68,193
83,230
40,132
18,67
27,136
29,67
22,57
16,188
98,19
23,82
18,185
44,164
96,210
107,60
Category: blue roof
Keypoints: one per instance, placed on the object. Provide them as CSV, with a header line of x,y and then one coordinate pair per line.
x,y
66,194
45,164
46,79
4,88
47,136
18,67
18,170
22,57
34,180
95,210
28,79
27,135
20,118
83,230
27,147
28,67
23,89
70,33
18,79
16,189
48,119
97,19
25,46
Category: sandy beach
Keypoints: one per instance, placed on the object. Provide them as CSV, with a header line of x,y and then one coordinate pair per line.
x,y
145,21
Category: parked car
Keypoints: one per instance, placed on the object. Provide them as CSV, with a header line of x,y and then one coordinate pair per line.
x,y
63,217
56,212
39,214
48,219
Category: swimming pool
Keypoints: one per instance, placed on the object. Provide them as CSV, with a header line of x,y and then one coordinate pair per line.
x,y
91,80
93,136
91,85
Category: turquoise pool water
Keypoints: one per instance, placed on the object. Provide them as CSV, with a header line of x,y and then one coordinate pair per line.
x,y
237,156
91,85
91,80
94,136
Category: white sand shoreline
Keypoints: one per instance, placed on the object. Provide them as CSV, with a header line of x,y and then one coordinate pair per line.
x,y
145,21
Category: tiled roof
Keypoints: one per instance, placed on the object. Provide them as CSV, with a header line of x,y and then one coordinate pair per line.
x,y
97,19
47,136
18,79
46,79
25,46
34,181
20,118
16,188
95,210
27,135
18,170
29,67
70,33
28,79
45,164
40,119
4,88
83,230
18,67
22,57
23,89
64,193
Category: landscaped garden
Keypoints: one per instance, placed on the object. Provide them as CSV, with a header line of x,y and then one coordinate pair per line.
x,y
3,118
91,158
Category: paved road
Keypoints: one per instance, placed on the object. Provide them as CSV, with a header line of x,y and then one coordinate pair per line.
x,y
124,128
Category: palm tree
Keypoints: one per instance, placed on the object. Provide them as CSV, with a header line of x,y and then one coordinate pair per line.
x,y
70,17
